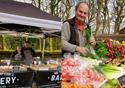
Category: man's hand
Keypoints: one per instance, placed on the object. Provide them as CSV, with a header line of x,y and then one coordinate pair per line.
x,y
92,41
82,50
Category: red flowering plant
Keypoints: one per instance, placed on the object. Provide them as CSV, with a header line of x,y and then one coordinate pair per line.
x,y
111,50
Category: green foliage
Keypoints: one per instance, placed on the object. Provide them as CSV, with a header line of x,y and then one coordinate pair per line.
x,y
1,42
56,43
47,45
92,54
101,49
11,42
34,42
88,33
87,36
116,53
110,84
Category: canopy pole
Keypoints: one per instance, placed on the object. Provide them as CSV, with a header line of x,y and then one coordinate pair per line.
x,y
43,49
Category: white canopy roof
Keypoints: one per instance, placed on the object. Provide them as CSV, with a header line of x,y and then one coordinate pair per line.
x,y
27,14
42,23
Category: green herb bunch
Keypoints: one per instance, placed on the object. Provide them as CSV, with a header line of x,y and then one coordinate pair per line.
x,y
101,49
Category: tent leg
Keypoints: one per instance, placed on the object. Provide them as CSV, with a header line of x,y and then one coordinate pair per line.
x,y
43,49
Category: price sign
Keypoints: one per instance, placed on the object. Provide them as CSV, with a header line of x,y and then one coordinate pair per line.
x,y
121,80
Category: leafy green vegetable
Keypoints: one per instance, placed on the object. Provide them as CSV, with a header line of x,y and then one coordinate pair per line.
x,y
116,53
88,33
110,84
101,49
91,52
109,71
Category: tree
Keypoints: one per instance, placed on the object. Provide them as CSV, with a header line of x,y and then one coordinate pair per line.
x,y
102,15
106,20
119,6
92,10
51,6
66,8
98,20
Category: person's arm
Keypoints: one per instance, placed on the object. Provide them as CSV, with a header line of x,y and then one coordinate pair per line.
x,y
33,52
22,53
65,30
92,40
13,54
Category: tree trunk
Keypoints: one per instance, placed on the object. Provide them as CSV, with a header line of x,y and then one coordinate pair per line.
x,y
118,18
106,21
99,3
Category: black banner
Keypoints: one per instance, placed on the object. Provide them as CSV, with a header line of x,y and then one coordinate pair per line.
x,y
48,79
15,80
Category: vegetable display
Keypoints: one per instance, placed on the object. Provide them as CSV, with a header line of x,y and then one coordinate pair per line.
x,y
99,68
110,51
101,49
78,73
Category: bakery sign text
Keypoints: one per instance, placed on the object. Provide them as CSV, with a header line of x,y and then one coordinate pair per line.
x,y
7,78
56,76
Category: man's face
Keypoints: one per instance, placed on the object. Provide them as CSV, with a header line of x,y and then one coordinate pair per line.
x,y
82,12
18,48
26,44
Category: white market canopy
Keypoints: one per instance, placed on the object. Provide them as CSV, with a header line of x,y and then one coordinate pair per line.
x,y
27,14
